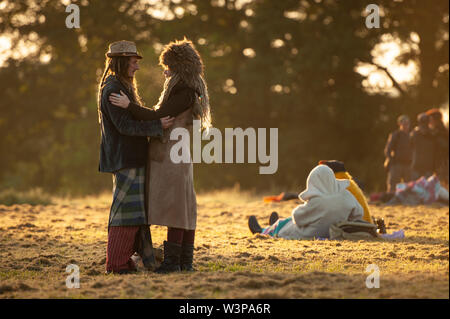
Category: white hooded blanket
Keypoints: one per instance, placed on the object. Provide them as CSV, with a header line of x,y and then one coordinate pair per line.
x,y
327,201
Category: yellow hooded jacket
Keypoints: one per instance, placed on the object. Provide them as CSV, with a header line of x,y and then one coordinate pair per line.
x,y
357,192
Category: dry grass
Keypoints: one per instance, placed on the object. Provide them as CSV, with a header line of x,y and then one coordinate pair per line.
x,y
38,242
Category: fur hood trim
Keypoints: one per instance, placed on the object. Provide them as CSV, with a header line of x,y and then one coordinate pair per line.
x,y
182,58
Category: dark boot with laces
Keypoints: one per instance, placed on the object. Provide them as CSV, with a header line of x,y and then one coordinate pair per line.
x,y
187,257
172,254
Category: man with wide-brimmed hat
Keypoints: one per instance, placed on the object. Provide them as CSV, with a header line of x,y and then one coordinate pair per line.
x,y
123,152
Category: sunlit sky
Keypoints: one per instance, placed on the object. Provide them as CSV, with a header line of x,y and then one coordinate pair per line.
x,y
385,55
376,80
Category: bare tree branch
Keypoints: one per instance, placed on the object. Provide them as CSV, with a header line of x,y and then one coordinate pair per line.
x,y
395,83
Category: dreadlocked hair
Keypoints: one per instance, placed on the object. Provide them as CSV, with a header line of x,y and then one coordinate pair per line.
x,y
118,67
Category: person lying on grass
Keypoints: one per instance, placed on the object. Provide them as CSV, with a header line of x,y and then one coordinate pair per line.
x,y
327,201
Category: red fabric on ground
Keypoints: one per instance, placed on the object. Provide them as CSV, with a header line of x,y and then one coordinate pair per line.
x,y
276,198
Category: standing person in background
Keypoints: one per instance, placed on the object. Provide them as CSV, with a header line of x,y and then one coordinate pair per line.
x,y
398,154
422,147
441,148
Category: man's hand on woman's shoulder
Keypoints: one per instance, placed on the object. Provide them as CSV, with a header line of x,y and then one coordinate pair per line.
x,y
120,100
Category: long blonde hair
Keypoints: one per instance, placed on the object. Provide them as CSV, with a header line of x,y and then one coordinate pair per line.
x,y
201,109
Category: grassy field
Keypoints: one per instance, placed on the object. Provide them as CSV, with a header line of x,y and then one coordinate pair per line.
x,y
38,242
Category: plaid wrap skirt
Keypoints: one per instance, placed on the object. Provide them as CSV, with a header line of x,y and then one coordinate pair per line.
x,y
128,207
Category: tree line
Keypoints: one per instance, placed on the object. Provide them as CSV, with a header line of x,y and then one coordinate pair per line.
x,y
284,64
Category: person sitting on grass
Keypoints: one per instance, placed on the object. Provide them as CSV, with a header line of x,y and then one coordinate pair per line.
x,y
327,201
341,173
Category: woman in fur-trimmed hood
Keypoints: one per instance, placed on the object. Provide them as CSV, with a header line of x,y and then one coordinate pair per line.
x,y
170,192
182,63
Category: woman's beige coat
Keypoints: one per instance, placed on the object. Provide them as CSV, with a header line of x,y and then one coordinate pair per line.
x,y
171,195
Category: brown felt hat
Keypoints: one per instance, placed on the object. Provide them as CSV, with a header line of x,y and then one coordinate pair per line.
x,y
122,48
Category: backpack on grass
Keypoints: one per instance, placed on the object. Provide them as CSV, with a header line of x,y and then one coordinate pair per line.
x,y
358,229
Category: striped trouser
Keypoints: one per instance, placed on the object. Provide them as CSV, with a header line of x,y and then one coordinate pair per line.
x,y
123,242
121,246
